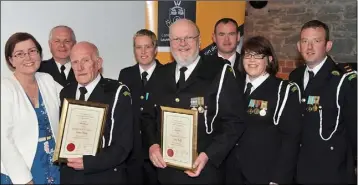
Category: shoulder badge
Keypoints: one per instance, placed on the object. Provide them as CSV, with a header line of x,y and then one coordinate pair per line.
x,y
354,75
335,73
344,67
230,69
294,88
126,93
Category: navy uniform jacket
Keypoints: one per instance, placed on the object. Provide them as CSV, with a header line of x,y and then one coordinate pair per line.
x,y
228,125
132,78
236,63
108,165
267,152
50,67
323,159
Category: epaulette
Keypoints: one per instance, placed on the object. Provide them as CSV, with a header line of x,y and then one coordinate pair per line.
x,y
110,85
344,67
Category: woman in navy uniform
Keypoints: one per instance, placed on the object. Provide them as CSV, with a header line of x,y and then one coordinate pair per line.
x,y
267,151
329,105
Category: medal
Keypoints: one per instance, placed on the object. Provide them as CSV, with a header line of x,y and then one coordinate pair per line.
x,y
201,104
201,109
316,100
194,103
263,108
310,109
256,111
315,108
262,112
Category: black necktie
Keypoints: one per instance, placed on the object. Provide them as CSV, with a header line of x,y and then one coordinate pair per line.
x,y
181,81
144,78
310,75
228,62
63,72
248,89
83,91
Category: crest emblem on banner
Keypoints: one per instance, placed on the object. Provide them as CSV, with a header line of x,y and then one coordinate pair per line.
x,y
175,13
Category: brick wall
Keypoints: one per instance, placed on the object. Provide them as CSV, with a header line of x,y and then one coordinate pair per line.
x,y
281,21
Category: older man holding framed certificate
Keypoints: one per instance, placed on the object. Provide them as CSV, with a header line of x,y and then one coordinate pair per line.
x,y
96,123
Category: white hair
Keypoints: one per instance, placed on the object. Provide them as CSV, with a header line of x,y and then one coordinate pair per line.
x,y
73,36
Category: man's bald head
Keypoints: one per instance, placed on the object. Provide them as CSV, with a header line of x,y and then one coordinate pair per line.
x,y
184,23
86,62
85,46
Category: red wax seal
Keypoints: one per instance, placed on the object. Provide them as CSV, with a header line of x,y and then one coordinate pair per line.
x,y
170,152
71,147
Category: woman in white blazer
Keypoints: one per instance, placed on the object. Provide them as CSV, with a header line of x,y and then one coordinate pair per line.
x,y
29,116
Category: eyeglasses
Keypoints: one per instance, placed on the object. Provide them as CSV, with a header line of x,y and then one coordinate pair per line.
x,y
21,55
256,56
185,39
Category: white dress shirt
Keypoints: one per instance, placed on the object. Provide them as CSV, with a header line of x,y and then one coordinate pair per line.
x,y
67,70
231,59
314,70
256,82
150,70
90,87
187,73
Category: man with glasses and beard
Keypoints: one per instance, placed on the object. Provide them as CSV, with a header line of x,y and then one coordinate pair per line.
x,y
186,80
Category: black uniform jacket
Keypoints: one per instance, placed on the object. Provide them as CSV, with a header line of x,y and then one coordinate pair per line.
x,y
267,151
236,64
108,164
50,67
327,153
132,78
227,127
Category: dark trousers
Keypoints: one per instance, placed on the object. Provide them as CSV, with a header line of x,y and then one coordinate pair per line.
x,y
135,172
149,173
233,172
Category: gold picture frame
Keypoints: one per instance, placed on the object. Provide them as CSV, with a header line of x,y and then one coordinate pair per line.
x,y
179,137
82,123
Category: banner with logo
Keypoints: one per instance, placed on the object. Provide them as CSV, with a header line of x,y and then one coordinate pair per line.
x,y
161,14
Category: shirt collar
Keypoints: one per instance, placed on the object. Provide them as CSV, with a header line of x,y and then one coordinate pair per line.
x,y
231,59
316,68
150,70
190,69
257,81
67,65
90,87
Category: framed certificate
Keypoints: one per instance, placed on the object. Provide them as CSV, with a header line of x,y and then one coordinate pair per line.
x,y
80,130
179,137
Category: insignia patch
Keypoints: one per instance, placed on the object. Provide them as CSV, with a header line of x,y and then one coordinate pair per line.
x,y
230,69
352,76
336,73
126,93
293,89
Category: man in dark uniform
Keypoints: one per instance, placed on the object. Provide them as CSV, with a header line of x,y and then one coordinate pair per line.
x,y
108,166
138,78
62,38
329,103
206,85
226,36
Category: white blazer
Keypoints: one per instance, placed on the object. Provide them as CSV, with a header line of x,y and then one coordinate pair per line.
x,y
19,125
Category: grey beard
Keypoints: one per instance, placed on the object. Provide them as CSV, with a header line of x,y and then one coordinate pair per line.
x,y
188,61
